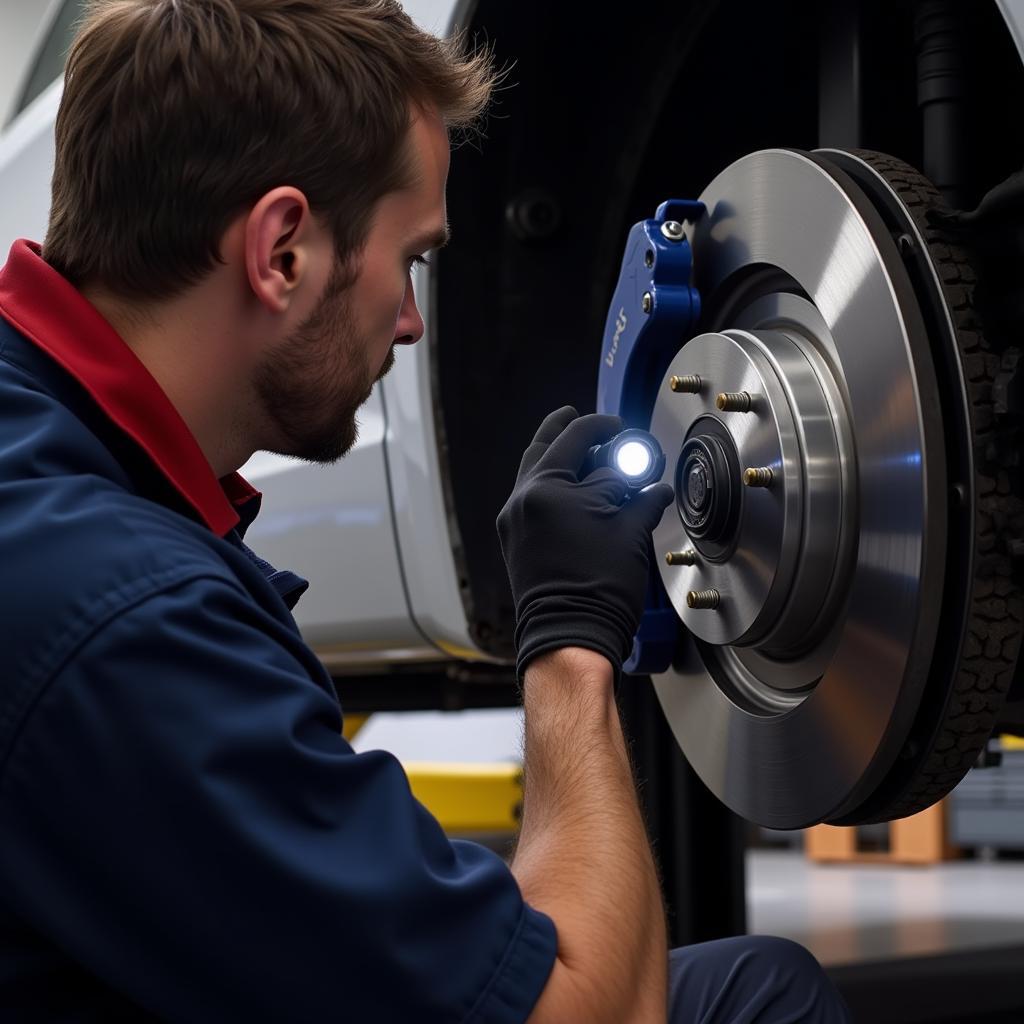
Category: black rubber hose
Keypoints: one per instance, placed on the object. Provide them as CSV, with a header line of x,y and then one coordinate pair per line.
x,y
942,96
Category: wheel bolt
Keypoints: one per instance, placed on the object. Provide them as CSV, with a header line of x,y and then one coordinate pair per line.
x,y
759,477
733,401
703,599
647,302
688,384
681,557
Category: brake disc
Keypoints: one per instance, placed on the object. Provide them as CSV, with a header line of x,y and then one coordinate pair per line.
x,y
853,623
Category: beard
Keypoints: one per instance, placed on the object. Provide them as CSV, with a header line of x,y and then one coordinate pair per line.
x,y
312,386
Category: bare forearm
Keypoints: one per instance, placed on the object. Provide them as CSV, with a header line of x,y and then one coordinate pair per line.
x,y
583,855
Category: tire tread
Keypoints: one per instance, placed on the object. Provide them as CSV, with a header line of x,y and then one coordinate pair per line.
x,y
993,627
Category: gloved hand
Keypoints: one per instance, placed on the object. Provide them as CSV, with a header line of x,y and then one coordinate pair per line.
x,y
994,235
577,551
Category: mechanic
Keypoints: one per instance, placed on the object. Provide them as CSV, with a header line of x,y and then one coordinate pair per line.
x,y
241,191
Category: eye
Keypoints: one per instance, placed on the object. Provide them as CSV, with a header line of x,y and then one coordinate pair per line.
x,y
418,261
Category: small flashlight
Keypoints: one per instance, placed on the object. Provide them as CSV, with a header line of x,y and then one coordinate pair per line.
x,y
635,454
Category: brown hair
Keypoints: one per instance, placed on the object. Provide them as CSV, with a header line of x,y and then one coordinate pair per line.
x,y
178,114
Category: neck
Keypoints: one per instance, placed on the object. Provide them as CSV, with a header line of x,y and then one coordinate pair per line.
x,y
184,344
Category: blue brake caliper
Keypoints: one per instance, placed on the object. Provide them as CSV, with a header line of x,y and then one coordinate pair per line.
x,y
653,311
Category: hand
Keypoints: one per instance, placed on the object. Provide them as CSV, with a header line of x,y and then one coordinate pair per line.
x,y
577,551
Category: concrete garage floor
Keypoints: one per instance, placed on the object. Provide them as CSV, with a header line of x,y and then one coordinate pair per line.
x,y
904,945
871,912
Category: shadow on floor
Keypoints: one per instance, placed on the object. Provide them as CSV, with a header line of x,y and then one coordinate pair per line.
x,y
907,937
984,986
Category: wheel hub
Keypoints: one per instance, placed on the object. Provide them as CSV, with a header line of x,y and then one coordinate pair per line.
x,y
759,491
708,498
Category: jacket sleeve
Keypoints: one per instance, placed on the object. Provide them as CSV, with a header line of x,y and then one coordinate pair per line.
x,y
183,818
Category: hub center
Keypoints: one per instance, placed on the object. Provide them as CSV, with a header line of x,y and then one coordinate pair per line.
x,y
707,487
697,486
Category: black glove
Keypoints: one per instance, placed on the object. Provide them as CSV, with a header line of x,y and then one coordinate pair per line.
x,y
577,551
994,235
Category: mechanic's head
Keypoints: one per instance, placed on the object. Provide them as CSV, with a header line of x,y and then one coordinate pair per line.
x,y
267,172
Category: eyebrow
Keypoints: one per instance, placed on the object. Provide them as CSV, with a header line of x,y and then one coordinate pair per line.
x,y
436,239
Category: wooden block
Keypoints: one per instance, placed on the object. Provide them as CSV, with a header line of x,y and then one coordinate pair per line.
x,y
920,839
827,842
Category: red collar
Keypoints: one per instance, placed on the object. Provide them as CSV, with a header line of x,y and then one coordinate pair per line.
x,y
40,304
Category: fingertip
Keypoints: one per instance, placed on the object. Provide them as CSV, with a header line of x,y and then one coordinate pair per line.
x,y
654,501
554,423
565,415
663,493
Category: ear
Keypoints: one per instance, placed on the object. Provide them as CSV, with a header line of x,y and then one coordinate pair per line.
x,y
277,254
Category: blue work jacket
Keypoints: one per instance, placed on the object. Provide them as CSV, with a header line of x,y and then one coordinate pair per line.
x,y
184,833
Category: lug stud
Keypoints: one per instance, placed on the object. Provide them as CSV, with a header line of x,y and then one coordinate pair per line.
x,y
733,401
681,557
703,599
689,384
759,477
672,230
647,302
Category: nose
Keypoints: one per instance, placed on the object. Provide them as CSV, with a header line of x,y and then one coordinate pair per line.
x,y
409,328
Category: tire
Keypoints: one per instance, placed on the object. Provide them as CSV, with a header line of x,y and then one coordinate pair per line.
x,y
981,618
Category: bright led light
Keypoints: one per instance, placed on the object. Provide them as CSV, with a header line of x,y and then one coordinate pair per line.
x,y
633,458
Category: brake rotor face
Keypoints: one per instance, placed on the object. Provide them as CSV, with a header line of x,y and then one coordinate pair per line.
x,y
797,693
